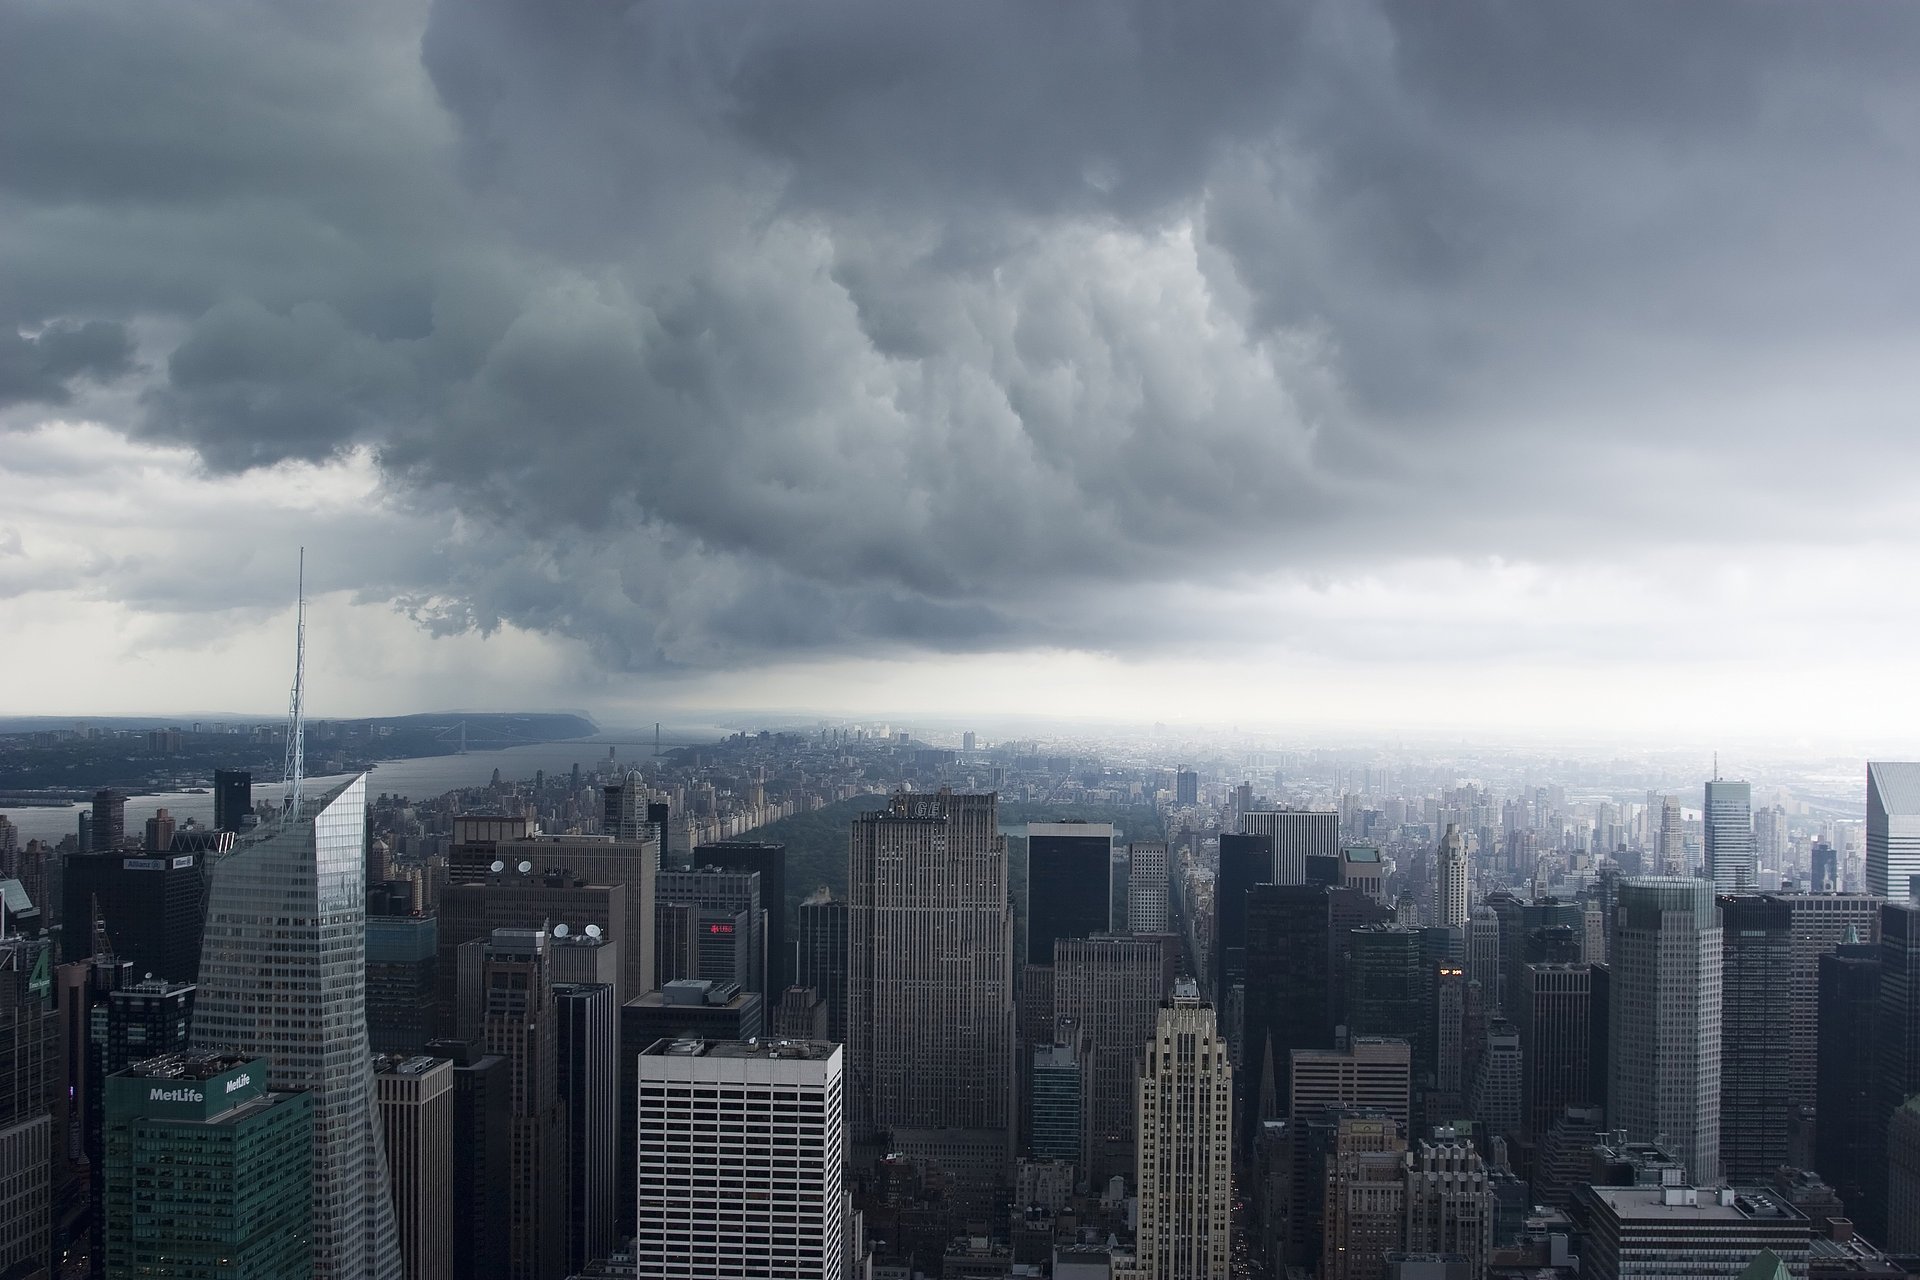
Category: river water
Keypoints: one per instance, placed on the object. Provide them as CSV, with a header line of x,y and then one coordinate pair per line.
x,y
420,779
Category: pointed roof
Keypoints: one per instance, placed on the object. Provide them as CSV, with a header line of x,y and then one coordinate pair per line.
x,y
1766,1265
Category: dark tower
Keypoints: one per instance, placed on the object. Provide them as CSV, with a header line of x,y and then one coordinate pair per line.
x,y
1069,877
770,860
232,799
1849,1011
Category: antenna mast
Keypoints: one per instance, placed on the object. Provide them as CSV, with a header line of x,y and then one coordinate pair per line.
x,y
297,714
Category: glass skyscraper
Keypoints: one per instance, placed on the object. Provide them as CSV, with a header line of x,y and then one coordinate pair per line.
x,y
1729,835
283,977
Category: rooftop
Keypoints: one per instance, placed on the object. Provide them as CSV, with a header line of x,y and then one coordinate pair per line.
x,y
187,1066
694,1047
1702,1205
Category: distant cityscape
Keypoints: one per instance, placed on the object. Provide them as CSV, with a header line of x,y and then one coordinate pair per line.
x,y
847,1002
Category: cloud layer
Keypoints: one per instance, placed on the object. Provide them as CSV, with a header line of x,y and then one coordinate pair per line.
x,y
714,336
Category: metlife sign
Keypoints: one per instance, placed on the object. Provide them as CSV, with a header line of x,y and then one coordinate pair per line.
x,y
174,1098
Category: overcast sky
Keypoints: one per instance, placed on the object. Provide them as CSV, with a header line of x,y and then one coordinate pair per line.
x,y
1479,364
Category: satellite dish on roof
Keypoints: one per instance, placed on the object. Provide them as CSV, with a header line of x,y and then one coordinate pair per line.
x,y
525,867
497,867
560,931
593,931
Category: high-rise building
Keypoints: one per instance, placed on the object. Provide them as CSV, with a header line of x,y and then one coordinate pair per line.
x,y
482,1159
1450,1202
1385,991
1711,1233
402,965
1069,884
930,1024
1483,954
282,977
1824,864
30,1081
152,910
1110,990
416,1100
1664,1032
1728,828
1893,827
1370,1074
1757,1005
589,1083
820,955
1365,1206
1903,1178
1298,834
624,811
208,1173
1245,861
1897,1042
1497,1095
1149,909
232,799
1185,1165
1553,1015
739,1160
1060,1111
1450,880
1289,994
109,828
1846,1105
1186,787
513,899
769,860
724,910
520,1024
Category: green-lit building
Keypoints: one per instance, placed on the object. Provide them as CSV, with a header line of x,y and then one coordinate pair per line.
x,y
208,1175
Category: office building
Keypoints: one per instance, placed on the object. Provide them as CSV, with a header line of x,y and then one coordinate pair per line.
x,y
800,1015
589,1082
1664,1032
1289,999
150,908
1897,1044
1362,870
1712,1233
207,1172
1450,880
1372,1074
1297,835
282,977
109,827
1110,990
1069,884
232,800
416,1100
1184,1171
769,861
1365,1200
1846,1104
1728,829
1757,1005
1903,1178
721,919
402,967
1819,923
1496,1097
739,1160
1450,1201
1824,865
482,1159
686,1009
1385,989
1483,954
1245,861
520,1024
1893,827
1186,787
479,841
532,899
930,1018
1553,1017
1060,1097
623,814
820,955
1148,905
30,1085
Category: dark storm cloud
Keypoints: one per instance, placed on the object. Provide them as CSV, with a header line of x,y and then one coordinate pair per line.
x,y
718,332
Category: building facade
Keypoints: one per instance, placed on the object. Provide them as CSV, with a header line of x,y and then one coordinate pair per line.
x,y
1297,834
1184,1172
1727,829
415,1096
1893,827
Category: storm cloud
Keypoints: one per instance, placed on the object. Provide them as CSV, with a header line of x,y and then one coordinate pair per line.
x,y
707,334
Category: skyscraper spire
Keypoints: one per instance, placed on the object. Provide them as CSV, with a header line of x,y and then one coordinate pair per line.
x,y
297,713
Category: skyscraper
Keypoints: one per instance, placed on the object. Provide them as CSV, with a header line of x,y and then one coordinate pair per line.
x,y
1896,1041
416,1100
282,977
150,907
1849,1012
29,1084
1245,861
1553,1013
1450,881
1069,883
1893,827
1297,834
739,1161
820,955
1289,993
1148,888
930,1029
1728,829
482,1118
589,1090
770,861
624,813
1756,1003
521,1025
1110,990
1366,1199
207,1172
109,820
1664,1032
724,909
1185,1163
232,799
1186,787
